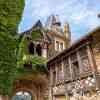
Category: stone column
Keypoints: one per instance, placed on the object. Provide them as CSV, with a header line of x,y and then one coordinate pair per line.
x,y
44,50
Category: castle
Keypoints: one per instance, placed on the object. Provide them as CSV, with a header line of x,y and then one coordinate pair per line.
x,y
73,69
46,41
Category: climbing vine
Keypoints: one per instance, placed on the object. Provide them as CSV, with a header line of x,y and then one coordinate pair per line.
x,y
13,48
10,16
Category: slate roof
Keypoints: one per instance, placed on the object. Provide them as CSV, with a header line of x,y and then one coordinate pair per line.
x,y
38,26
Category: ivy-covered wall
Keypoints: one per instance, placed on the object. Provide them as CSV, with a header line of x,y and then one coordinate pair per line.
x,y
10,16
14,47
24,57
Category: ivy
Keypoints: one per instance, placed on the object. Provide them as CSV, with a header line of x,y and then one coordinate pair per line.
x,y
36,34
14,47
10,16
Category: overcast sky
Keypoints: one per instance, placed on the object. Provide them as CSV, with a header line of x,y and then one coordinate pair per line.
x,y
80,14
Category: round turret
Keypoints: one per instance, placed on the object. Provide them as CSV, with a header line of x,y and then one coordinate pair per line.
x,y
55,20
52,21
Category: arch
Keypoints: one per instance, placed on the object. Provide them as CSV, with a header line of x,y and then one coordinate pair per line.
x,y
39,50
31,48
22,95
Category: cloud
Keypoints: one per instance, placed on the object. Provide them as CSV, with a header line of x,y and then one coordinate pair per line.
x,y
81,14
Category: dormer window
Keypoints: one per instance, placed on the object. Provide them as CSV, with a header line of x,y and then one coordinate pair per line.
x,y
61,46
57,45
31,48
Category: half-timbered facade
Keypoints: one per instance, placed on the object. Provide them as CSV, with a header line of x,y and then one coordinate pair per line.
x,y
74,71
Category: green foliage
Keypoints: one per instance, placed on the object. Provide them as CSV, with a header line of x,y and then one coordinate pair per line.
x,y
10,16
38,63
22,48
36,35
39,66
13,47
7,62
23,56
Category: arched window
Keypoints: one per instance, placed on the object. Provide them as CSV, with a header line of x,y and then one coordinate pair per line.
x,y
39,50
22,95
31,48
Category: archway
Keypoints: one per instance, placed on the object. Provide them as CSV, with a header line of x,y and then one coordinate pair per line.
x,y
22,95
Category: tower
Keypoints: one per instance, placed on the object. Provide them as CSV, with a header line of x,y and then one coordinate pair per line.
x,y
60,37
53,23
67,33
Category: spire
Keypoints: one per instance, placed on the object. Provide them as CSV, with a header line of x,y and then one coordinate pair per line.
x,y
66,27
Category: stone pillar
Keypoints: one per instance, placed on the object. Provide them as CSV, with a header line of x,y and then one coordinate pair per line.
x,y
44,52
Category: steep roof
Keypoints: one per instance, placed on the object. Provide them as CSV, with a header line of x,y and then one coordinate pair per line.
x,y
37,32
38,25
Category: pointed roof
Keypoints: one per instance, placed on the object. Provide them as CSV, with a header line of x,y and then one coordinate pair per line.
x,y
38,25
37,32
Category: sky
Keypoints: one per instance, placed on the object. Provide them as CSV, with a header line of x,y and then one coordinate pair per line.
x,y
80,14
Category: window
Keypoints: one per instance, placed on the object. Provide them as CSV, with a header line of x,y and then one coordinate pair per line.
x,y
75,67
57,45
60,72
83,52
61,46
31,48
67,73
84,60
85,64
39,50
73,57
